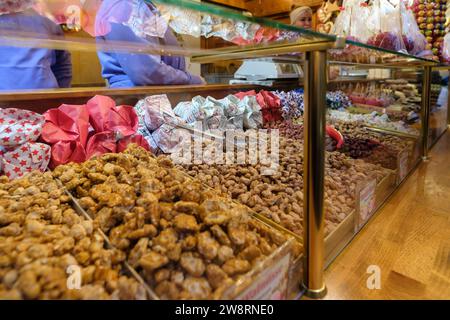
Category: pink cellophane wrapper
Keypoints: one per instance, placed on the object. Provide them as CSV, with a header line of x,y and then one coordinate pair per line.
x,y
67,123
66,129
105,142
105,116
100,143
28,157
138,139
67,151
19,126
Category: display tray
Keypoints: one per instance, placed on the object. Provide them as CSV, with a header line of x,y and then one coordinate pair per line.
x,y
365,108
385,188
342,235
267,280
131,271
41,100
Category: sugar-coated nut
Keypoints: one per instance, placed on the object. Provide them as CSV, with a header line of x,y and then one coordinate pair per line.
x,y
192,265
161,275
215,275
185,222
152,261
236,266
207,245
196,288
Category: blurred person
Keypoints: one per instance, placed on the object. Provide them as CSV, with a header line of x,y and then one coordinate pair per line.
x,y
129,69
31,68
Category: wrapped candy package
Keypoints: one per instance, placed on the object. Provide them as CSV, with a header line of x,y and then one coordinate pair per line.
x,y
20,154
67,130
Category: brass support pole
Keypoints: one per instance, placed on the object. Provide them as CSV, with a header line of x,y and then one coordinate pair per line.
x,y
426,101
448,100
313,173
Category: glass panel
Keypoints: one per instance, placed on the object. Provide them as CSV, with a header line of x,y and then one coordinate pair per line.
x,y
377,111
170,38
438,105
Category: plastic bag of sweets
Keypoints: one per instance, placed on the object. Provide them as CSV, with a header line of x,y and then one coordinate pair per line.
x,y
168,138
190,111
19,129
215,118
386,27
233,110
415,42
182,21
353,21
143,130
252,117
156,110
104,115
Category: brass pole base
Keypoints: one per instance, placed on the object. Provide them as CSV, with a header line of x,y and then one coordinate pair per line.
x,y
315,294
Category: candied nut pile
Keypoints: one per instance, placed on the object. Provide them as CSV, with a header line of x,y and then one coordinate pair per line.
x,y
279,196
42,238
185,241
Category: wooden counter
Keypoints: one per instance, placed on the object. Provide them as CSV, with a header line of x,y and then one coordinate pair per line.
x,y
42,100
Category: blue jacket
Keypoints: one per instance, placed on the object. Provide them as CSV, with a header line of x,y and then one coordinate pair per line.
x,y
129,70
33,68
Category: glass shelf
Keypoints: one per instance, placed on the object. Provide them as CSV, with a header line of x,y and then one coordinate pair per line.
x,y
245,36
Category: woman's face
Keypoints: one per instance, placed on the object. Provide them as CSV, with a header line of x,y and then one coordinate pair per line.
x,y
304,21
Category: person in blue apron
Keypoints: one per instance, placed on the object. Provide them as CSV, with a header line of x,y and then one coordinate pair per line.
x,y
129,69
31,68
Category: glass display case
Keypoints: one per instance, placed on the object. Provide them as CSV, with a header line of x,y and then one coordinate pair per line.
x,y
438,104
308,134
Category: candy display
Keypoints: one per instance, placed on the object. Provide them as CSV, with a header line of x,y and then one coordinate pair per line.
x,y
159,125
373,119
19,151
189,22
186,242
269,102
431,18
280,196
217,177
291,103
385,24
338,100
358,130
67,130
232,112
42,237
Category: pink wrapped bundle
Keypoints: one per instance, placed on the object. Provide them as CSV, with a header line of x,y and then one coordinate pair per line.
x,y
105,116
67,151
66,129
78,133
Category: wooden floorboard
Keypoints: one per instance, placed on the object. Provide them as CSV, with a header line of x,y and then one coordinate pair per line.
x,y
409,240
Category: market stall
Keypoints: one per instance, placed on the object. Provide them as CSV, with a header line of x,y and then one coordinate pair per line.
x,y
209,191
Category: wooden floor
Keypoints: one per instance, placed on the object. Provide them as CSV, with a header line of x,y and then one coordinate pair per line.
x,y
409,240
